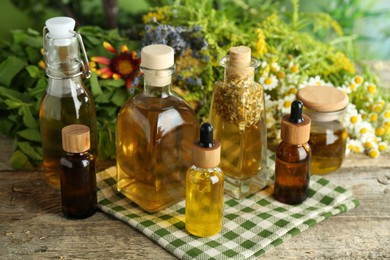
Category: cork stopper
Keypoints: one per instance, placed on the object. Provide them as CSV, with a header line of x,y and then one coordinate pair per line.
x,y
75,138
239,66
295,127
240,56
207,151
156,59
323,98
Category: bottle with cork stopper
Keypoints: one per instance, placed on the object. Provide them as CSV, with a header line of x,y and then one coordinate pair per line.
x,y
205,186
78,175
238,116
292,163
155,133
66,101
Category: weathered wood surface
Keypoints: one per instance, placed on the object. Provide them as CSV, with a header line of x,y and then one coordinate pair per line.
x,y
32,225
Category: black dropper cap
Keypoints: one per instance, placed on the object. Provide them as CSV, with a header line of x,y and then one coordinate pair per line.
x,y
206,135
296,112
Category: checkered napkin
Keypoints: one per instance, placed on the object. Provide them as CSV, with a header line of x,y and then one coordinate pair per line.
x,y
251,226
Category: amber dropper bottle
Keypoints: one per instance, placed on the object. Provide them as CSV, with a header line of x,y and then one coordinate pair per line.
x,y
204,186
292,165
78,175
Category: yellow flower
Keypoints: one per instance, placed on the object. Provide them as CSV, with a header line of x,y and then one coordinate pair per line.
x,y
379,131
373,117
280,75
261,44
371,88
382,146
340,60
368,144
386,114
378,108
294,69
373,153
358,79
159,15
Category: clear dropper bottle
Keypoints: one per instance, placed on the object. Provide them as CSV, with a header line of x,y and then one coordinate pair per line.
x,y
67,100
205,186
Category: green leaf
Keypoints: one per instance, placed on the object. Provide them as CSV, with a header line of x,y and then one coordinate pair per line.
x,y
10,93
39,88
28,150
31,134
103,98
95,87
33,71
119,97
6,126
20,161
9,68
12,104
115,83
28,118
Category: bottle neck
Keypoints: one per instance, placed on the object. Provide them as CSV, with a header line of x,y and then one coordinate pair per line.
x,y
157,83
62,57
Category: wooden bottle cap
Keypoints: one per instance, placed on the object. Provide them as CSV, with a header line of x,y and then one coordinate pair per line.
x,y
295,133
323,98
75,138
207,157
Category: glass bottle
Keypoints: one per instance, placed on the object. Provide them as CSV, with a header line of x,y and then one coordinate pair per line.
x,y
238,116
155,133
326,107
292,163
66,101
204,187
78,175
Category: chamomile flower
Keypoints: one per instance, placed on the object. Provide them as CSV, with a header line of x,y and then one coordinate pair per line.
x,y
370,87
275,67
316,81
358,80
363,129
382,146
352,117
284,104
269,82
355,146
373,152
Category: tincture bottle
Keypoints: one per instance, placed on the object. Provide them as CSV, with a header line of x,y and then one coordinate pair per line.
x,y
204,187
66,101
78,175
292,164
326,107
155,133
238,116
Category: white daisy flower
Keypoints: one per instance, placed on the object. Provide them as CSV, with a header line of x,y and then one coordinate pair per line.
x,y
284,104
269,82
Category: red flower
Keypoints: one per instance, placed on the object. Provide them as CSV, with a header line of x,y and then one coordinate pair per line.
x,y
124,64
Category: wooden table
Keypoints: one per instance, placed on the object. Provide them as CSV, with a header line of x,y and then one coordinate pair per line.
x,y
32,225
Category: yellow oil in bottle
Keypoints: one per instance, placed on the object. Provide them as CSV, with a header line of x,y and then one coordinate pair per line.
x,y
204,201
154,141
241,147
56,113
328,147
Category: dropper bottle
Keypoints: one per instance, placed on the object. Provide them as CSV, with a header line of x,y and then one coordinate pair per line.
x,y
292,165
204,186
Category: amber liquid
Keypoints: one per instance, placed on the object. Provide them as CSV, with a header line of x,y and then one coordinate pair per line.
x,y
242,147
328,143
154,141
204,201
78,185
56,113
292,173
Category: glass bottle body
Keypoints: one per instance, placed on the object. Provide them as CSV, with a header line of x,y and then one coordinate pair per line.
x,y
328,141
65,102
204,201
155,133
292,172
78,185
238,116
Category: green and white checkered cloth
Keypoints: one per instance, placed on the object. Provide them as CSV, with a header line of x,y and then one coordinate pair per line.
x,y
251,226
